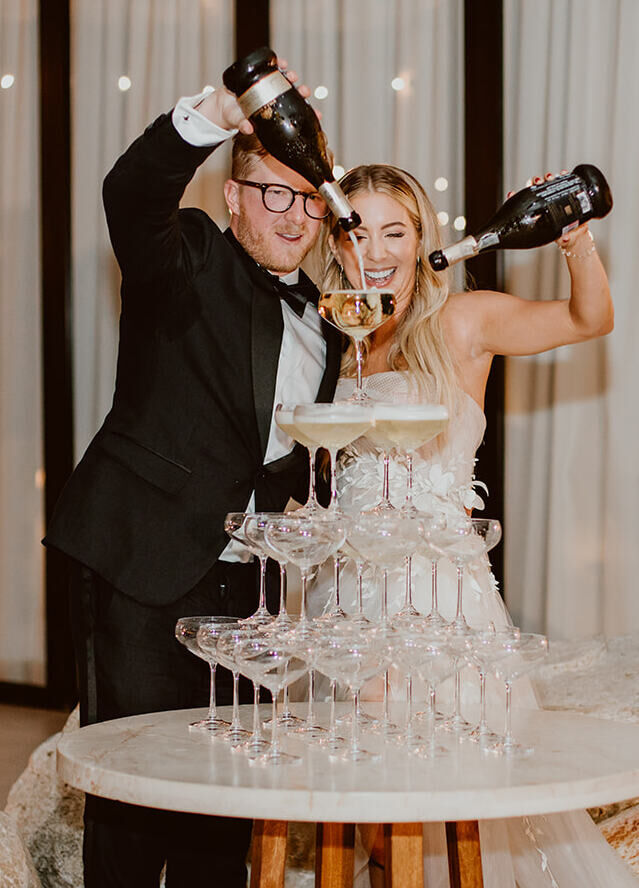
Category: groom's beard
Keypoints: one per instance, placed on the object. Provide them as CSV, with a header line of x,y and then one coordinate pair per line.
x,y
270,248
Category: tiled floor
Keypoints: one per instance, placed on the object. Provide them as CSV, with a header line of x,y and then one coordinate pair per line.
x,y
21,730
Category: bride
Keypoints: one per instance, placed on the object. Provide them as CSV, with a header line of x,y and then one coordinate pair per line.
x,y
438,347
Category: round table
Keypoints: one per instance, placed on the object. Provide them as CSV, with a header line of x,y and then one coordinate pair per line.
x,y
154,760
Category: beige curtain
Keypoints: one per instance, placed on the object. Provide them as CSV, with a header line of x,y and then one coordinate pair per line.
x,y
21,478
166,49
572,474
356,50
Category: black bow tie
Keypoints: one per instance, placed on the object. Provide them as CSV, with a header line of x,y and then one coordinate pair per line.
x,y
296,295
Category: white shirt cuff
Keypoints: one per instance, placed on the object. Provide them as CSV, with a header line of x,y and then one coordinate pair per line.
x,y
194,127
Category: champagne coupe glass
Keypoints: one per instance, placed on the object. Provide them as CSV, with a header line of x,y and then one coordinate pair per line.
x,y
359,656
333,426
235,526
436,663
429,530
275,665
358,616
227,647
519,655
322,653
188,631
255,532
335,612
307,542
408,427
484,653
285,420
462,542
406,652
357,313
243,653
384,540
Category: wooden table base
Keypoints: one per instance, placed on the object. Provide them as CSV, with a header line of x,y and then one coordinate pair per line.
x,y
403,854
464,854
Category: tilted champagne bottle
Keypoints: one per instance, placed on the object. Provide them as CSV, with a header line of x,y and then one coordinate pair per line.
x,y
536,216
287,126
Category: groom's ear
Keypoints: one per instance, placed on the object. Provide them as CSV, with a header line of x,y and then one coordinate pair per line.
x,y
231,195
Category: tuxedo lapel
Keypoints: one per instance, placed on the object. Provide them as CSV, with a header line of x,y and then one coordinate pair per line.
x,y
333,362
267,328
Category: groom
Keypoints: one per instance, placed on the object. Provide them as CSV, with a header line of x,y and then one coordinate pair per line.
x,y
216,328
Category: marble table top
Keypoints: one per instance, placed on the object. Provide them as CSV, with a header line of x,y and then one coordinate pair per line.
x,y
155,760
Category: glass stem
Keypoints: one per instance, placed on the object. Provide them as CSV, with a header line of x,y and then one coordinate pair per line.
x,y
459,616
257,731
212,707
286,712
262,603
275,739
386,482
433,587
408,595
303,617
358,360
409,481
332,729
336,570
332,452
483,726
311,698
360,585
458,715
312,496
386,698
235,724
282,588
384,614
355,726
508,738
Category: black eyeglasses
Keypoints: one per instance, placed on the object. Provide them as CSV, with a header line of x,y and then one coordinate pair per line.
x,y
280,198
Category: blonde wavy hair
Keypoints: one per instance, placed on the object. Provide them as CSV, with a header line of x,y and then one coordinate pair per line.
x,y
419,346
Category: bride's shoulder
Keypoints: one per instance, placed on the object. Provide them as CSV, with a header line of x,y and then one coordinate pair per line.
x,y
464,312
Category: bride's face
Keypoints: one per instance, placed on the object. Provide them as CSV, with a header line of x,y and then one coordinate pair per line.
x,y
388,243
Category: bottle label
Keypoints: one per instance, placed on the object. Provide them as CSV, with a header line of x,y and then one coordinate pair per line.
x,y
464,249
263,92
490,239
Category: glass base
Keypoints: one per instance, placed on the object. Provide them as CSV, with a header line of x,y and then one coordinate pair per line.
x,y
277,758
255,747
286,720
235,736
259,618
365,721
310,729
512,749
334,743
210,724
359,755
458,725
430,751
334,616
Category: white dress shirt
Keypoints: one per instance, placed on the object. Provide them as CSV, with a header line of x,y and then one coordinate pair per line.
x,y
303,351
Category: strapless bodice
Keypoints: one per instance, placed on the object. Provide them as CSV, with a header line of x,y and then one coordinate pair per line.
x,y
443,468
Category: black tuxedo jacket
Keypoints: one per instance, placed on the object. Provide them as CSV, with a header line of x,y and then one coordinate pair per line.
x,y
183,444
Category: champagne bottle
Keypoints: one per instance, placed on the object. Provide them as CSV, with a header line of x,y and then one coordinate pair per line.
x,y
287,126
536,216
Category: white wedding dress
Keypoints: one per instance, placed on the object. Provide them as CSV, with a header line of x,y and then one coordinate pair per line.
x,y
552,851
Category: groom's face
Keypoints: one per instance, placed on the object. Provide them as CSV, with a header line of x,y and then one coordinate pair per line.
x,y
278,241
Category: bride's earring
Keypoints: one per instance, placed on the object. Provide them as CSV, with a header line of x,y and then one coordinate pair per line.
x,y
343,283
418,268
